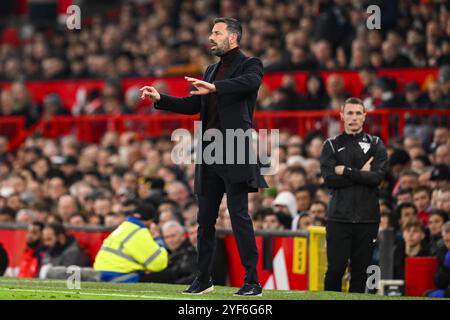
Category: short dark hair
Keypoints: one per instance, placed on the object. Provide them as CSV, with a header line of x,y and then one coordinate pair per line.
x,y
78,214
146,212
413,223
261,213
353,100
323,204
8,211
297,169
38,225
57,228
405,205
276,214
409,173
132,203
307,188
440,213
233,26
404,191
368,68
172,203
422,189
284,219
189,204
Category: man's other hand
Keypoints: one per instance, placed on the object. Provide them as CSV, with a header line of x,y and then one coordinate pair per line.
x,y
367,165
339,170
150,92
202,87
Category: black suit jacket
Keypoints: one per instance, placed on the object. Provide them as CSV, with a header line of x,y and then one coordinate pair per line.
x,y
237,97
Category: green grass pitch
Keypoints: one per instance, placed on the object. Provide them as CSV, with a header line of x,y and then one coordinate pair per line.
x,y
33,289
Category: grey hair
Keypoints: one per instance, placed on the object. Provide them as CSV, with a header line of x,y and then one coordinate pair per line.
x,y
170,224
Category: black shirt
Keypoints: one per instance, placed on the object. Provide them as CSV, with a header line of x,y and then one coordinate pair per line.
x,y
212,113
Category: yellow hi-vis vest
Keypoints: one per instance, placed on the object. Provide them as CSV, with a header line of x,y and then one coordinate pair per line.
x,y
130,248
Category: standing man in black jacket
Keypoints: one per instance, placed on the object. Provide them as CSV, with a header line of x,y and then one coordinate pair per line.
x,y
353,165
225,100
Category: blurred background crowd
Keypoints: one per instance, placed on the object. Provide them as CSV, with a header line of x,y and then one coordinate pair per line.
x,y
169,38
158,38
66,182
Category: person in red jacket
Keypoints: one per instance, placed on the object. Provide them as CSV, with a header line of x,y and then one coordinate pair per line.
x,y
422,201
31,260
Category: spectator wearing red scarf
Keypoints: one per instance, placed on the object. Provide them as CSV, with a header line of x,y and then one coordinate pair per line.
x,y
31,260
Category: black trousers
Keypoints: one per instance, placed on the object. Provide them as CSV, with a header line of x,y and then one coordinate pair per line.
x,y
215,184
346,242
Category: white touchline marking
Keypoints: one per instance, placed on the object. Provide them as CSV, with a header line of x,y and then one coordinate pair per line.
x,y
51,285
11,290
85,288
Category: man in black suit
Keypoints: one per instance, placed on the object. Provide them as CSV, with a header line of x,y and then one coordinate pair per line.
x,y
225,100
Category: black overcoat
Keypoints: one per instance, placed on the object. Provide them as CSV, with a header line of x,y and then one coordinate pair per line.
x,y
237,98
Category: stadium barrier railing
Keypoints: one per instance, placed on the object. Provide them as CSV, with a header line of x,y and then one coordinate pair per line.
x,y
283,259
283,255
176,85
386,123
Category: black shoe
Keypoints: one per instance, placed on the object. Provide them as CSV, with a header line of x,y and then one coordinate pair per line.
x,y
198,287
250,290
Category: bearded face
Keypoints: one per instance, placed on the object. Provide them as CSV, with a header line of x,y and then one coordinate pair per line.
x,y
219,39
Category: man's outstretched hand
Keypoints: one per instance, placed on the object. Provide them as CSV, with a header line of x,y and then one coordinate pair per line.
x,y
339,170
202,87
150,92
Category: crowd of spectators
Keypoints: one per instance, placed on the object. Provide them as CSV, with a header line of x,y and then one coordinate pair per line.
x,y
152,38
378,92
156,38
65,182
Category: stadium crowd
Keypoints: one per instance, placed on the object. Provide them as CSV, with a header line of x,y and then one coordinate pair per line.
x,y
167,38
170,38
65,182
157,38
50,183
